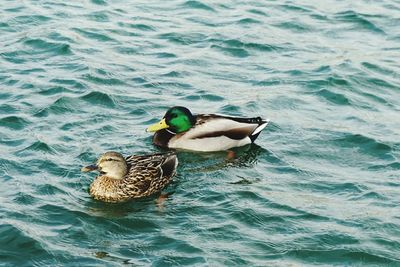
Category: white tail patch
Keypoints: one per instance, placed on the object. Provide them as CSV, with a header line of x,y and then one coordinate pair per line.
x,y
260,128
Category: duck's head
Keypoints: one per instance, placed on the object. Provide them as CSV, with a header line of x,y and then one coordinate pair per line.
x,y
110,164
177,120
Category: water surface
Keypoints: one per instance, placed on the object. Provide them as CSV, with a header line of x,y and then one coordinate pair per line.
x,y
320,187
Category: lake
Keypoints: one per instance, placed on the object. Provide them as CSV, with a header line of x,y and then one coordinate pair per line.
x,y
319,187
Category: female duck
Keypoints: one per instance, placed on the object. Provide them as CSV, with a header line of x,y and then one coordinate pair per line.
x,y
122,179
204,132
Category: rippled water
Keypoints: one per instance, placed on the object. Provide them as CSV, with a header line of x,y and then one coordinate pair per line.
x,y
321,186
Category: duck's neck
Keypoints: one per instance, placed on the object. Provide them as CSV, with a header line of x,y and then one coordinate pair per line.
x,y
107,189
162,137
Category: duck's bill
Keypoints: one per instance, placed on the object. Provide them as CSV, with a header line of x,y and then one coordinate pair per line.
x,y
157,126
89,168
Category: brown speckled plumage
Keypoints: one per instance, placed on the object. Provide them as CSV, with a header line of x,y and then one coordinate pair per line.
x,y
145,176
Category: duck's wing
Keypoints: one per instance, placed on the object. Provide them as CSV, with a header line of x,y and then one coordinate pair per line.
x,y
237,128
149,173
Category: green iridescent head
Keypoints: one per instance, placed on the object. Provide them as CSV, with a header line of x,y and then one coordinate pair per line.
x,y
177,120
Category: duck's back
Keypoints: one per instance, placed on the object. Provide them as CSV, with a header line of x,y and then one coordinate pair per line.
x,y
214,132
149,174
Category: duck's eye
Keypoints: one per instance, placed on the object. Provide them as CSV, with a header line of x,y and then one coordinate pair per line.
x,y
109,159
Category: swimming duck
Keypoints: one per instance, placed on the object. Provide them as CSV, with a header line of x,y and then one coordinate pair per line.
x,y
122,178
179,128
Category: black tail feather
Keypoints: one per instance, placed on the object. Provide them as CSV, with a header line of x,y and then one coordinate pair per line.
x,y
169,165
258,130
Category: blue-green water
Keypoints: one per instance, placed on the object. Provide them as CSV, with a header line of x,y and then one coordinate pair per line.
x,y
321,187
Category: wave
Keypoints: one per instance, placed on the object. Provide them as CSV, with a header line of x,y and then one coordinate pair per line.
x,y
94,34
367,145
6,108
197,5
335,98
234,52
14,122
204,96
102,80
31,19
358,20
62,105
17,246
99,98
339,256
43,46
39,146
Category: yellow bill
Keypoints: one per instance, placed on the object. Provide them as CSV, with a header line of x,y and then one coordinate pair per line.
x,y
157,126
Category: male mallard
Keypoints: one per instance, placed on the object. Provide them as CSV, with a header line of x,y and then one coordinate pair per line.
x,y
122,179
204,132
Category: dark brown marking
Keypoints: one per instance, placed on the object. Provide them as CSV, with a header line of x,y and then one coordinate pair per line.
x,y
236,134
143,185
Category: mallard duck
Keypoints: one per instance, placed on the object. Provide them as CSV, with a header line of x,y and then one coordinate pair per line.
x,y
122,178
179,128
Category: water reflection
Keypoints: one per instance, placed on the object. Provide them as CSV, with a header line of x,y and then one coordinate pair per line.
x,y
119,210
246,156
